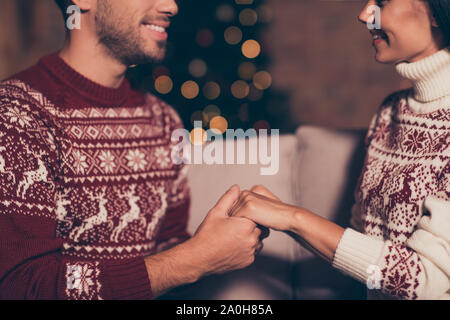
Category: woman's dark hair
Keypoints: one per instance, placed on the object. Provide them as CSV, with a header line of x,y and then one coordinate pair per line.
x,y
441,12
63,4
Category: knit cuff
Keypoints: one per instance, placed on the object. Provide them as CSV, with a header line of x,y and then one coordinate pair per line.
x,y
126,280
356,252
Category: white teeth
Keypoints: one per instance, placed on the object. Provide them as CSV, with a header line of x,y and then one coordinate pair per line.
x,y
155,28
375,37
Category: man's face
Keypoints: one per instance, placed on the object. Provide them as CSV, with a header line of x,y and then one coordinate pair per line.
x,y
134,31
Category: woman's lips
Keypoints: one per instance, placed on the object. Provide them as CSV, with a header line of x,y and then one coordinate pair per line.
x,y
378,41
379,36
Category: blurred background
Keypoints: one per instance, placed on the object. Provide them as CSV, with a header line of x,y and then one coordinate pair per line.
x,y
239,63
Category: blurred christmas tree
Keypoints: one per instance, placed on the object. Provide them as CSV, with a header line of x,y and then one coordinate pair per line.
x,y
216,69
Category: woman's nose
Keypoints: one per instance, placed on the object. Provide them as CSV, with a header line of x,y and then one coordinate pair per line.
x,y
367,14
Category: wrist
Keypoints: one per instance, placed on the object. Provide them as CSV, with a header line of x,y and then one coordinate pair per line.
x,y
193,255
173,268
297,220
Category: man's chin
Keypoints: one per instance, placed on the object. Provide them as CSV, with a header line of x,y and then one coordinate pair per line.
x,y
155,55
146,59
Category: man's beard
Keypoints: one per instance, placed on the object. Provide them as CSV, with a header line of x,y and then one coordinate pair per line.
x,y
122,40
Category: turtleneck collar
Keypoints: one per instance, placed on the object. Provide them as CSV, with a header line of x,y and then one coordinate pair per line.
x,y
430,78
84,86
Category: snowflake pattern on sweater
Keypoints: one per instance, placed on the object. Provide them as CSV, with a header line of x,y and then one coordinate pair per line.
x,y
96,184
408,161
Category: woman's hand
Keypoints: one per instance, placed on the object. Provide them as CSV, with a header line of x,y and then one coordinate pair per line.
x,y
265,209
312,231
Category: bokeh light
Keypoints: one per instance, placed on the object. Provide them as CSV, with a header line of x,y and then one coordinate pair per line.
x,y
261,124
246,70
262,80
251,49
233,35
248,17
223,78
244,2
212,111
255,94
198,136
198,68
218,125
243,113
160,71
211,90
240,89
199,116
225,13
163,84
190,89
205,38
265,13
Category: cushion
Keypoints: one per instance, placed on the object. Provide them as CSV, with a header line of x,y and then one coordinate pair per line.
x,y
270,276
327,165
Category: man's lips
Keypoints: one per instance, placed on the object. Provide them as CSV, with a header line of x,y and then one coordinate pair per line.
x,y
158,24
155,27
158,29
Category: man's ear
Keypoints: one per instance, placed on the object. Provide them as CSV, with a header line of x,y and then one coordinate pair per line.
x,y
85,5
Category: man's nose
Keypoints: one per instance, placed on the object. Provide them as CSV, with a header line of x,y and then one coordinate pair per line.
x,y
168,7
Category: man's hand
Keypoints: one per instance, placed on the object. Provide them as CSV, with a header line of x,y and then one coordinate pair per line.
x,y
223,243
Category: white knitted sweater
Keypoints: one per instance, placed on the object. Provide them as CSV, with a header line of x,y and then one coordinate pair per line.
x,y
401,248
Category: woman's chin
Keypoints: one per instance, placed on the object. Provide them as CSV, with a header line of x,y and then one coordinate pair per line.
x,y
383,58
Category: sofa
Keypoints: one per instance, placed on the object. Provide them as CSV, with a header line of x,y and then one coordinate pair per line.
x,y
318,170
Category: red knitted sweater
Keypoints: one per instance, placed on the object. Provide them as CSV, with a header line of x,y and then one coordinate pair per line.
x,y
87,187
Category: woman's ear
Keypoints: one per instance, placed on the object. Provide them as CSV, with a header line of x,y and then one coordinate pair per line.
x,y
84,5
434,23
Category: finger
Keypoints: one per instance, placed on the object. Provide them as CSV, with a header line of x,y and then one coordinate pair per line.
x,y
261,190
257,232
235,207
259,248
265,232
239,203
226,202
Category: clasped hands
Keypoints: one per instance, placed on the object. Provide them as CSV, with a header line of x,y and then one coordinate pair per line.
x,y
232,232
264,208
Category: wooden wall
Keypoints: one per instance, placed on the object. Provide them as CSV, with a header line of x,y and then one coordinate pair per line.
x,y
29,29
321,55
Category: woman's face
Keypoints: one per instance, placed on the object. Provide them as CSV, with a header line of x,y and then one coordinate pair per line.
x,y
408,31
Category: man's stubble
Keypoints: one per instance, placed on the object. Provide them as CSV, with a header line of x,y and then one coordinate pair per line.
x,y
122,40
